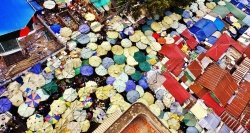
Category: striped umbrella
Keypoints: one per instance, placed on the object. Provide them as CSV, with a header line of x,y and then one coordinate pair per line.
x,y
33,100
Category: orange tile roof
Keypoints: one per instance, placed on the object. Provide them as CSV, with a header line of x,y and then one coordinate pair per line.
x,y
237,106
219,81
198,90
195,68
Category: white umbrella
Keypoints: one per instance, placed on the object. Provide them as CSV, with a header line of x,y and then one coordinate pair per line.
x,y
95,61
43,94
58,107
96,26
65,32
106,45
49,4
86,53
17,98
35,122
70,94
123,77
92,37
141,45
74,127
25,111
101,70
46,128
119,85
126,43
155,46
79,115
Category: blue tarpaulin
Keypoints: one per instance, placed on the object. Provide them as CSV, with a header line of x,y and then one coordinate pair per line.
x,y
36,68
14,15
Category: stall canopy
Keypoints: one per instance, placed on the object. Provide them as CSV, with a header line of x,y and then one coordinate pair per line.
x,y
223,43
15,15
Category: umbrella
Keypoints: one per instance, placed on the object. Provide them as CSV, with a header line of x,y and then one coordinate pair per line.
x,y
110,80
87,70
123,77
35,122
107,62
84,28
136,76
74,127
155,46
101,51
61,124
92,36
133,96
96,26
86,53
126,43
135,37
89,16
112,34
101,70
155,109
95,61
75,34
140,90
116,49
33,100
25,111
60,1
106,45
145,66
139,56
159,94
189,119
155,79
80,115
83,39
176,108
92,46
129,70
68,115
85,125
46,128
143,83
65,32
43,94
17,98
141,45
5,105
148,97
87,101
130,85
27,88
119,59
129,31
58,107
156,26
192,130
119,85
114,70
49,4
99,115
131,61
50,88
52,118
70,94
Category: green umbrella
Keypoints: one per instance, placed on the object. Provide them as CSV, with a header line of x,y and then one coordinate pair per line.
x,y
139,56
136,76
77,70
120,59
85,62
145,66
189,119
50,88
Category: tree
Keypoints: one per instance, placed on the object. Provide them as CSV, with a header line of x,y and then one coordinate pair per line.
x,y
148,7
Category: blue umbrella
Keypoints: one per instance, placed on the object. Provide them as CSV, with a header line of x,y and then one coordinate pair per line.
x,y
192,130
107,62
143,83
186,14
5,105
110,80
55,28
37,69
111,41
83,39
87,70
133,96
130,85
84,28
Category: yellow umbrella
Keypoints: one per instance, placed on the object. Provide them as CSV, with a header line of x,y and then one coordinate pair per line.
x,y
75,34
112,34
61,125
68,115
141,100
17,98
126,43
135,37
74,127
46,128
106,45
96,26
126,52
92,46
112,109
95,61
91,86
27,88
156,26
168,20
85,125
131,61
12,87
58,107
155,109
35,122
165,25
114,70
89,16
148,97
65,32
129,70
116,99
116,49
100,94
101,51
155,46
145,40
132,50
77,62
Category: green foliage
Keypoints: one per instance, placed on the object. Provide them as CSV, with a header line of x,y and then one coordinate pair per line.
x,y
149,7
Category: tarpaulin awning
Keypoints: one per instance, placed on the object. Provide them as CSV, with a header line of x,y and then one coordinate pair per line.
x,y
175,88
223,43
15,15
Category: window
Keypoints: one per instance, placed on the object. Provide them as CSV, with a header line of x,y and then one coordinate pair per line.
x,y
9,47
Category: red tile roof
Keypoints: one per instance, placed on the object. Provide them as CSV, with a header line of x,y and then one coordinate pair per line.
x,y
198,90
219,81
220,47
236,107
210,102
174,87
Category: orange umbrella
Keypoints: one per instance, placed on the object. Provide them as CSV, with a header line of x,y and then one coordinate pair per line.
x,y
161,40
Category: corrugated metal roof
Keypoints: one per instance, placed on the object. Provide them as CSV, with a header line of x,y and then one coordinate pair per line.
x,y
219,81
198,90
195,68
